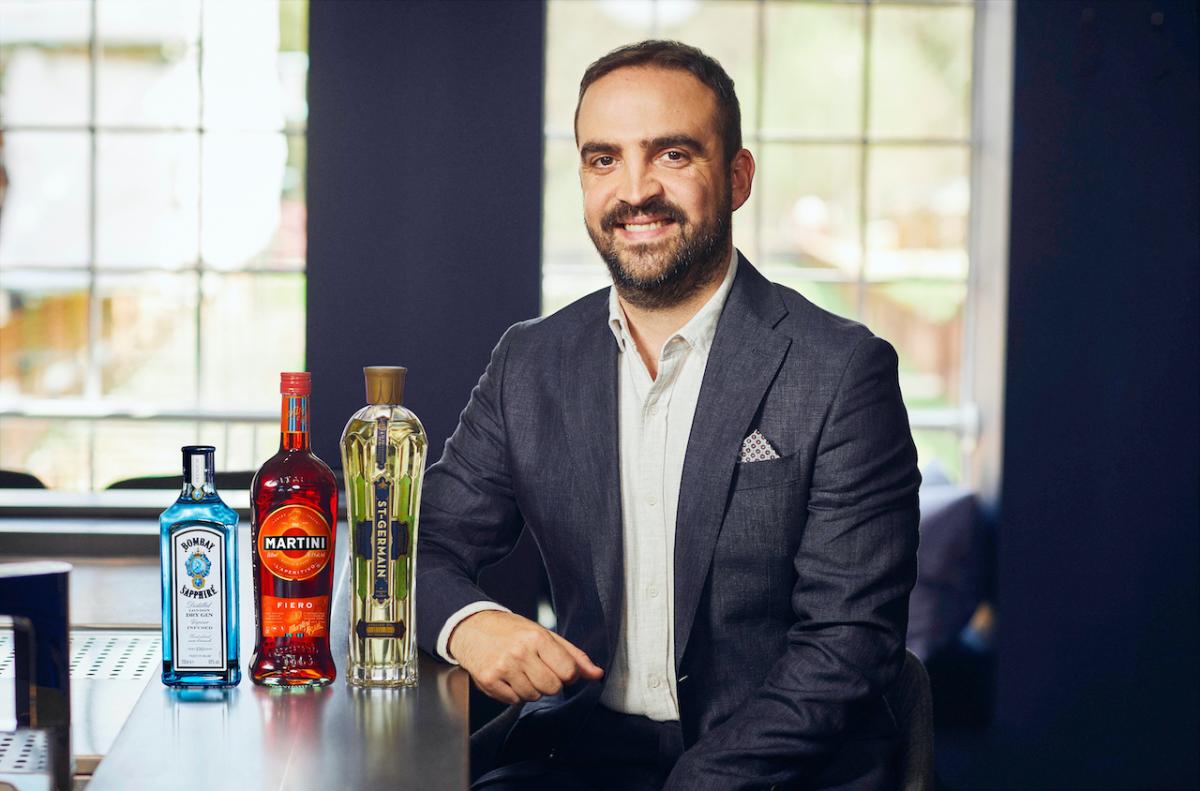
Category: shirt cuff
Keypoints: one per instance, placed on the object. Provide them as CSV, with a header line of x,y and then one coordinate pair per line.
x,y
443,641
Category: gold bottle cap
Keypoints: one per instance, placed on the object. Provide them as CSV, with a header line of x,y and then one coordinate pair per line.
x,y
385,384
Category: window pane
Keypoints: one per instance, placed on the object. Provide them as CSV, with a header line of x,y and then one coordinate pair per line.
x,y
44,218
921,71
44,58
923,320
148,338
839,298
746,237
811,205
919,202
939,450
240,446
577,33
814,65
252,328
245,175
570,265
728,31
56,452
147,208
43,334
293,60
127,449
148,73
242,88
565,238
43,221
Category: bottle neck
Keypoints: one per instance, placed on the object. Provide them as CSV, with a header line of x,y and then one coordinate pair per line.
x,y
199,477
294,423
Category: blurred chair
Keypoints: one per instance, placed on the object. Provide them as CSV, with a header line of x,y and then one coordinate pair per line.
x,y
224,481
911,700
11,479
949,624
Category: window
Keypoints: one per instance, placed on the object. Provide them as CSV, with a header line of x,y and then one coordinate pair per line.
x,y
152,238
860,117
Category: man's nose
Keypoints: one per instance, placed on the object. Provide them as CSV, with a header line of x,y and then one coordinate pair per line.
x,y
639,185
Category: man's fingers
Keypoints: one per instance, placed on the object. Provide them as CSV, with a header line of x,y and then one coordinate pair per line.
x,y
499,691
586,666
560,661
542,677
521,685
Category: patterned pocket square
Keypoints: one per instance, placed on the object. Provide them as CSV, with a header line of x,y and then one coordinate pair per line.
x,y
756,448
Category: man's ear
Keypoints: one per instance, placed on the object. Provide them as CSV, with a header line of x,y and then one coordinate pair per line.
x,y
741,178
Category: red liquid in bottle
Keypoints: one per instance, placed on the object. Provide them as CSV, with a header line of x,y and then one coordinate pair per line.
x,y
293,504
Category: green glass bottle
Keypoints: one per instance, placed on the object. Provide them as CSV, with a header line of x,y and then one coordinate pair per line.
x,y
383,456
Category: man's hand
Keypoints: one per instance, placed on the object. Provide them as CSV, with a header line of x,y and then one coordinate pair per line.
x,y
513,659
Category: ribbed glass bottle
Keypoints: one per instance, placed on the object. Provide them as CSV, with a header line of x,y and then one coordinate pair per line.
x,y
383,456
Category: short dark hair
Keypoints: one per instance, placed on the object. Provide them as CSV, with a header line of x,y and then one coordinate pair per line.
x,y
681,57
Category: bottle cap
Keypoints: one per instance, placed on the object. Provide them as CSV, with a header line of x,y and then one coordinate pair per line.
x,y
385,384
295,383
198,461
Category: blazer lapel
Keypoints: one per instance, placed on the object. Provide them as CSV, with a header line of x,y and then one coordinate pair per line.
x,y
589,366
745,356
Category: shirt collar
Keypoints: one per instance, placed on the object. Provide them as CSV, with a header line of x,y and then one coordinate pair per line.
x,y
700,329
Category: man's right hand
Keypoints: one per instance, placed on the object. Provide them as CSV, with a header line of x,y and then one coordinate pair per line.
x,y
511,658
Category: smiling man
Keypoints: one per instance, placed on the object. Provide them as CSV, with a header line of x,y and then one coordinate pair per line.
x,y
720,477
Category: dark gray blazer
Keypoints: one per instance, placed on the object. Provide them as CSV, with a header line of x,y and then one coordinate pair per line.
x,y
792,575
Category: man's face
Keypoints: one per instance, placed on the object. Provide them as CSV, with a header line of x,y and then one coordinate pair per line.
x,y
658,195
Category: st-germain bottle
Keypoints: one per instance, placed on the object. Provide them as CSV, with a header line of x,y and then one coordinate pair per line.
x,y
383,456
293,505
198,549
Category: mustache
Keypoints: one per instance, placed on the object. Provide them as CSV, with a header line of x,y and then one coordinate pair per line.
x,y
657,206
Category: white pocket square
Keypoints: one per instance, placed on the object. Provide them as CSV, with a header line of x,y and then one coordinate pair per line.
x,y
756,448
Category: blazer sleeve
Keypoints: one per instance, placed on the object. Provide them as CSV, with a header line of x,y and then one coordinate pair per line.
x,y
856,564
469,515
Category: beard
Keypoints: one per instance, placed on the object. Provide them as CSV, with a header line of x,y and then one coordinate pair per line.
x,y
668,271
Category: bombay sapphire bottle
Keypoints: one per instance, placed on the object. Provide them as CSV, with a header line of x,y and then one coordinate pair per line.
x,y
198,541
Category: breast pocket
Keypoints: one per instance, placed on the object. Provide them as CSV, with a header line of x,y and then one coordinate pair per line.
x,y
760,474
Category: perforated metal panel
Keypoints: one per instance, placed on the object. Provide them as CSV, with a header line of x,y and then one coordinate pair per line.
x,y
104,654
23,752
124,655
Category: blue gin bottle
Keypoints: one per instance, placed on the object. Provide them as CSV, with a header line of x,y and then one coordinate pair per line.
x,y
198,550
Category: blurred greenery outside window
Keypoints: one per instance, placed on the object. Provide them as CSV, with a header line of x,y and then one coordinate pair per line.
x,y
859,118
152,234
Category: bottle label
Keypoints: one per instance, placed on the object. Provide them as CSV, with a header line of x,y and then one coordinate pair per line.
x,y
198,613
295,542
306,616
381,562
391,630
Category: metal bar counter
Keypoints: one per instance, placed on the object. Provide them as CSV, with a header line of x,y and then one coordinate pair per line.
x,y
338,737
252,737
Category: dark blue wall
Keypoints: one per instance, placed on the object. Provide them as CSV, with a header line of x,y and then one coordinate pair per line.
x,y
424,198
1098,541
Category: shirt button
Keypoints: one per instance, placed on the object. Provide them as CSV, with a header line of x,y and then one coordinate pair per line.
x,y
651,499
652,590
652,411
654,682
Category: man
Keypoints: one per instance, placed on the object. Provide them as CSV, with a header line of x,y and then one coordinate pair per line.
x,y
720,477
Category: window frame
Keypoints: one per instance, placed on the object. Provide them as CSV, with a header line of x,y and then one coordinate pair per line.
x,y
92,406
978,420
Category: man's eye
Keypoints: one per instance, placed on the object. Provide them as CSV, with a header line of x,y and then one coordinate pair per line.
x,y
604,161
676,156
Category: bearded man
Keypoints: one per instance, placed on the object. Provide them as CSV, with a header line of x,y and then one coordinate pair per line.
x,y
720,477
